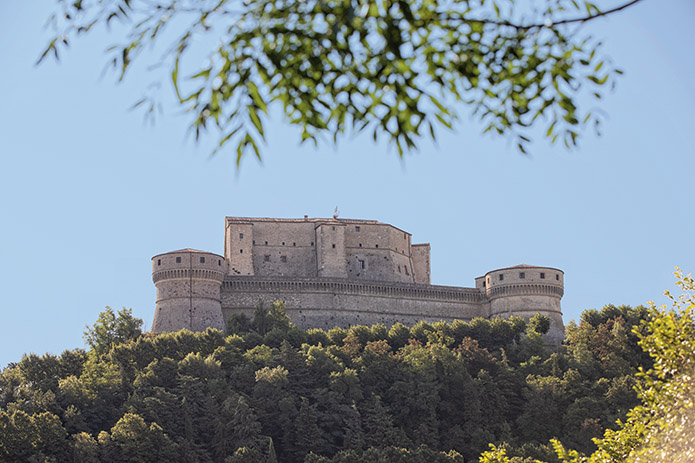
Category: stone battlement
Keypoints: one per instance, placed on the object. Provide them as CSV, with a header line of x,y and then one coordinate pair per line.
x,y
336,272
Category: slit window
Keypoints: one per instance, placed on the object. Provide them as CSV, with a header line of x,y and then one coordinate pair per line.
x,y
406,270
266,258
219,263
283,258
178,260
399,269
522,275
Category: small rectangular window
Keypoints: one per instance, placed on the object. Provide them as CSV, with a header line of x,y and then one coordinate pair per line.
x,y
266,258
219,262
406,270
312,243
483,284
542,276
360,244
522,275
294,244
334,246
178,260
202,260
399,269
241,251
283,258
357,228
266,243
501,276
360,263
377,246
283,243
333,228
241,236
253,241
557,277
159,261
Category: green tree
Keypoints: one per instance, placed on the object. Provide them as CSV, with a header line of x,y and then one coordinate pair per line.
x,y
112,328
397,68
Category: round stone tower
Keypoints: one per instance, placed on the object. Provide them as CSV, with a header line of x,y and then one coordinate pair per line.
x,y
188,290
525,290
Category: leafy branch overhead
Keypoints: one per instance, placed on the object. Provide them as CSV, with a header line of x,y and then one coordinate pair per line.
x,y
395,68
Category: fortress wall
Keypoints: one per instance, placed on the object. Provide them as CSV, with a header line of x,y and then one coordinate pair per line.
x,y
294,240
239,248
330,250
421,263
374,244
327,303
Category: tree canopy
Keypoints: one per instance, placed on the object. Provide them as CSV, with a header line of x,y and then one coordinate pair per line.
x,y
398,69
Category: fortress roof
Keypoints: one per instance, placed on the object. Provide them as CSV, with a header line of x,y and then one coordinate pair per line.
x,y
315,220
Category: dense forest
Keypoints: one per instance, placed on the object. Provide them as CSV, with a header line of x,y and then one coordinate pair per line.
x,y
266,391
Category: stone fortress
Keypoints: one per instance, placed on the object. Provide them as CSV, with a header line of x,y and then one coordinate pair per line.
x,y
336,272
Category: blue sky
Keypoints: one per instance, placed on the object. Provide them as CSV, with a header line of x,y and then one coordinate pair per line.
x,y
88,192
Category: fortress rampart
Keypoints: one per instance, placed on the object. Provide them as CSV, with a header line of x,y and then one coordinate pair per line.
x,y
337,272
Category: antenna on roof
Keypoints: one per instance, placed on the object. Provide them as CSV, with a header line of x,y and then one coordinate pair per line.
x,y
336,213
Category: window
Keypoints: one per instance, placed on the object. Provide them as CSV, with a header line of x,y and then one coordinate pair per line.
x,y
283,243
377,246
483,284
241,236
557,277
178,260
266,243
334,246
399,269
202,260
312,243
241,251
159,261
219,262
360,244
357,228
266,258
360,264
294,244
333,228
542,276
501,276
406,270
253,241
522,275
283,258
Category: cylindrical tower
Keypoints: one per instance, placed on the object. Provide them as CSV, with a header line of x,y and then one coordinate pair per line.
x,y
188,290
525,290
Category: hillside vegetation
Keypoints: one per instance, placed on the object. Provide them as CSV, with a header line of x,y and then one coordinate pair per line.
x,y
267,391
